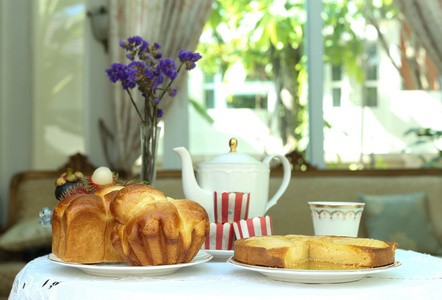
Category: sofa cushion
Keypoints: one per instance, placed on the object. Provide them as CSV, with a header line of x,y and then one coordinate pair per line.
x,y
402,219
25,234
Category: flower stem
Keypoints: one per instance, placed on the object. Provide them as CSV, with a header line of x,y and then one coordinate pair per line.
x,y
135,105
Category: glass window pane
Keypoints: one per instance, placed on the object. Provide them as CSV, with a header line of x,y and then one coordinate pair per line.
x,y
254,95
371,66
337,97
386,77
337,73
361,67
209,98
247,101
371,73
371,94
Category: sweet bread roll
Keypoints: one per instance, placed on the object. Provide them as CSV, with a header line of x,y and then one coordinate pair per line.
x,y
82,225
155,230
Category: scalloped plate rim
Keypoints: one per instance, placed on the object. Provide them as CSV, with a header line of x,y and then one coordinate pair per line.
x,y
313,276
123,269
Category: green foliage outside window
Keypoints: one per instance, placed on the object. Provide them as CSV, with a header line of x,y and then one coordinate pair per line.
x,y
267,37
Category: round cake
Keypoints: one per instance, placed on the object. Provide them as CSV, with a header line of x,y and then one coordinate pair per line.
x,y
306,252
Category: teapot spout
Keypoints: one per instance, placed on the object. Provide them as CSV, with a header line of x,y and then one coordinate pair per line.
x,y
192,190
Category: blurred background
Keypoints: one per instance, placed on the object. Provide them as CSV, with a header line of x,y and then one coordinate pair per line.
x,y
346,84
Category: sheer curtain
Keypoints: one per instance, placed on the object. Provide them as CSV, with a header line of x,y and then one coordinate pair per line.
x,y
424,18
175,25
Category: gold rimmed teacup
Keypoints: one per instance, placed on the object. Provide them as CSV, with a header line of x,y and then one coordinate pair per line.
x,y
336,218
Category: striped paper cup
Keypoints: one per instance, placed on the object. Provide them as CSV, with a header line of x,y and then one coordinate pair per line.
x,y
231,207
221,237
257,226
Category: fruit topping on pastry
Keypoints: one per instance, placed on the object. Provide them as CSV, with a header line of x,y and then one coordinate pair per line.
x,y
67,183
74,183
101,177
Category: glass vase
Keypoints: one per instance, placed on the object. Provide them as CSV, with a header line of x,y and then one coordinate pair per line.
x,y
150,136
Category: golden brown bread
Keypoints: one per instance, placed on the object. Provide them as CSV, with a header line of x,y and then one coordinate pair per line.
x,y
81,228
155,230
136,224
297,251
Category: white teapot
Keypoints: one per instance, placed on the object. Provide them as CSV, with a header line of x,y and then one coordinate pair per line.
x,y
232,172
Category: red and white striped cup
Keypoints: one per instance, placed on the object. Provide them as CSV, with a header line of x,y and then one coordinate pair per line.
x,y
231,206
258,226
221,237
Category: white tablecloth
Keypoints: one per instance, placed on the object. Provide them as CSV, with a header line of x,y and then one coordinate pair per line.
x,y
419,277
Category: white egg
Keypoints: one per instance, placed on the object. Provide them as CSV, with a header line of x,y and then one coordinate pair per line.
x,y
102,176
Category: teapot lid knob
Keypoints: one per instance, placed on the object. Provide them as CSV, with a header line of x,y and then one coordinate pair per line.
x,y
231,158
233,143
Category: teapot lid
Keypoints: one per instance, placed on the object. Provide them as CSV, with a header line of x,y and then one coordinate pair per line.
x,y
233,157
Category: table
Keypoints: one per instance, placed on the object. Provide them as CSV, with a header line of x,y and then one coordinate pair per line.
x,y
419,277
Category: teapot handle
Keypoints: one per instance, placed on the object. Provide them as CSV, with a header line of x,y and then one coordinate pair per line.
x,y
285,180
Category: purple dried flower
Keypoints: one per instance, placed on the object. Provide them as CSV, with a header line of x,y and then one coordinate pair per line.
x,y
168,67
136,40
138,65
197,57
142,55
124,74
159,80
124,44
183,55
149,74
149,71
117,72
172,92
189,58
131,80
144,46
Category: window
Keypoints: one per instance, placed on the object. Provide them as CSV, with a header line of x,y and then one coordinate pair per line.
x,y
337,73
371,76
371,96
337,93
368,126
248,103
336,77
241,109
371,65
209,96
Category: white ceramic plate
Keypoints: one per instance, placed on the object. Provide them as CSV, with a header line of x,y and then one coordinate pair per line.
x,y
123,269
220,254
313,276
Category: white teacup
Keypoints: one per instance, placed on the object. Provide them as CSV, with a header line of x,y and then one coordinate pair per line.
x,y
336,218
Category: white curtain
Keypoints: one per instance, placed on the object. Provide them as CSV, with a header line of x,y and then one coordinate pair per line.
x,y
424,18
175,25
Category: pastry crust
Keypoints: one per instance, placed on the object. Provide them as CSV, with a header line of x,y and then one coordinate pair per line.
x,y
136,224
155,230
293,251
81,227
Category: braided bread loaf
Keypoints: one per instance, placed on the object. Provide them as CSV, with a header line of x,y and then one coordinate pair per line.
x,y
82,225
136,224
156,230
